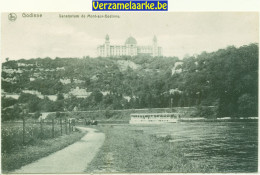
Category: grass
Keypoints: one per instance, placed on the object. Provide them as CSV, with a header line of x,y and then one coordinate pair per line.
x,y
130,150
12,134
23,155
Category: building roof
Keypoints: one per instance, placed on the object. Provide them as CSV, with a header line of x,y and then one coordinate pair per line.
x,y
130,40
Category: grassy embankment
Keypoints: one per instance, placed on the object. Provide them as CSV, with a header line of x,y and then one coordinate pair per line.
x,y
128,149
21,155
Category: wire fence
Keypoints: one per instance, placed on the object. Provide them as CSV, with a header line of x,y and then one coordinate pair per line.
x,y
23,133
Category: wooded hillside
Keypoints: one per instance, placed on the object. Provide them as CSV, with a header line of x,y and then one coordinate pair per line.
x,y
227,79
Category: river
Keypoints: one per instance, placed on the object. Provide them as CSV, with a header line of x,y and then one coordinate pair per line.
x,y
227,146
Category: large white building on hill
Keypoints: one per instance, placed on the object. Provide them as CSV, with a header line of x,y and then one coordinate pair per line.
x,y
129,49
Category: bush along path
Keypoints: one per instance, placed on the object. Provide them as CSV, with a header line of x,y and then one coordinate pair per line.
x,y
72,159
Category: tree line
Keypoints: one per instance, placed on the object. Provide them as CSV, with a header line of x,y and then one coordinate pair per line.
x,y
226,79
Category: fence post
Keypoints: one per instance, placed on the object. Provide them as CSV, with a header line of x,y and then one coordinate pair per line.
x,y
41,129
52,131
60,126
23,130
69,127
66,127
73,125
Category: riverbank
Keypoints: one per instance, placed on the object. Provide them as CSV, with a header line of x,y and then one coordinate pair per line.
x,y
224,119
27,154
130,150
188,147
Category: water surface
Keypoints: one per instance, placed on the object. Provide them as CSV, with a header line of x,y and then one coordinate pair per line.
x,y
227,146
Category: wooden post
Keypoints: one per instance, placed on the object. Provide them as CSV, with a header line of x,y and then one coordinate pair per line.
x,y
171,104
23,130
73,125
66,127
60,126
52,131
41,129
69,127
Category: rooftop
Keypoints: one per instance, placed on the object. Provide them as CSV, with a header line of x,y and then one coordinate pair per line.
x,y
130,40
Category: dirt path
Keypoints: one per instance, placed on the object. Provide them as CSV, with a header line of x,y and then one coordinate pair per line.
x,y
72,159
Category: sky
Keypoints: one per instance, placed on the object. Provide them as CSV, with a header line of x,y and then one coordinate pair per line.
x,y
178,33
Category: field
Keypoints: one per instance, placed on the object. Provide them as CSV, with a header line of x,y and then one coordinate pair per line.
x,y
38,142
15,134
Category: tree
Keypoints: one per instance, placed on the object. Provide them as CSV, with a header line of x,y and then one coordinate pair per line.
x,y
247,106
36,115
96,97
11,113
60,96
32,101
7,102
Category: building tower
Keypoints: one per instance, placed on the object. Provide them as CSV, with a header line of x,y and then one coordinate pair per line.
x,y
155,47
131,46
107,47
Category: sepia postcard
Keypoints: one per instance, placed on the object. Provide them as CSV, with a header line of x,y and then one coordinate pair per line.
x,y
173,92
